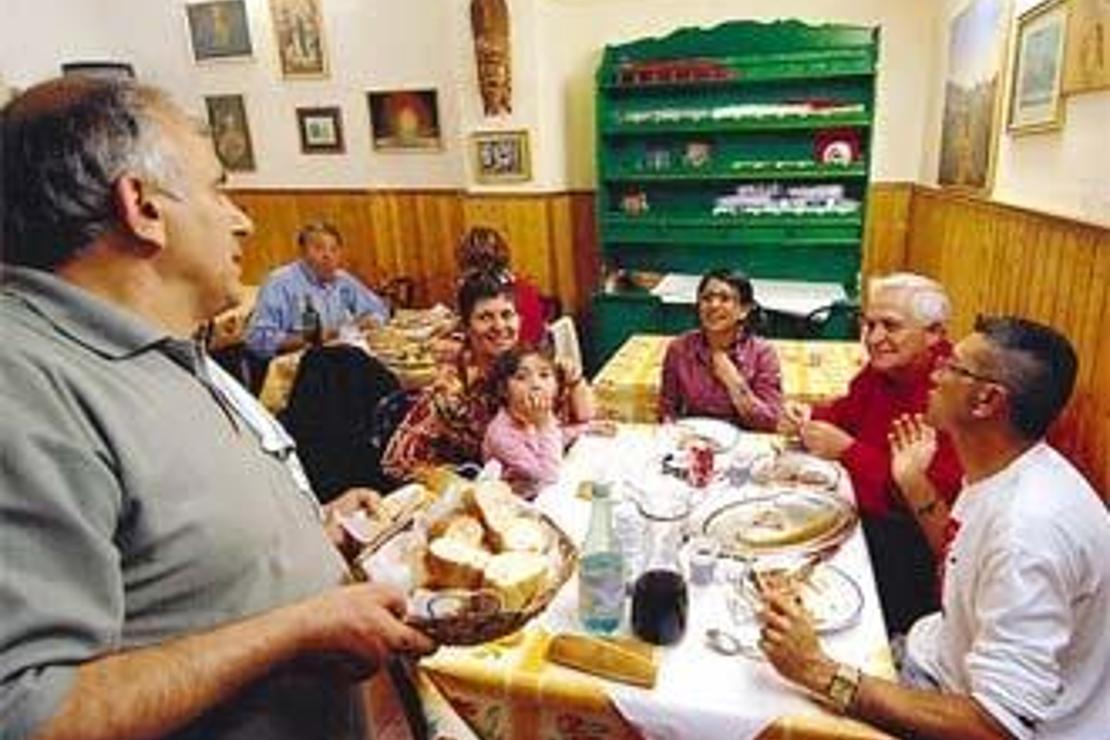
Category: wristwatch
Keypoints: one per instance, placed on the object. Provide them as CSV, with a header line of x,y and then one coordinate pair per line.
x,y
843,687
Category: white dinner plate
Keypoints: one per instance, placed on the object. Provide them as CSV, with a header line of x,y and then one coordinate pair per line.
x,y
721,435
831,596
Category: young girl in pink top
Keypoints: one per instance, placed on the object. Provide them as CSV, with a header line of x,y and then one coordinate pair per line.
x,y
525,436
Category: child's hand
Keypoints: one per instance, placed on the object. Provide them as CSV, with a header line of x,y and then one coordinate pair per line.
x,y
538,407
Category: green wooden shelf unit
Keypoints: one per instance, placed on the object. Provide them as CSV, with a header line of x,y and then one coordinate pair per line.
x,y
744,146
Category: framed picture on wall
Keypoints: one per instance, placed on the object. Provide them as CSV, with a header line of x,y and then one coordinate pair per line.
x,y
1087,49
231,135
299,32
106,70
1035,103
972,92
321,130
404,120
502,156
219,30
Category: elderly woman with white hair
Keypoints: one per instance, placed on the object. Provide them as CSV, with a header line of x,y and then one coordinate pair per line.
x,y
904,516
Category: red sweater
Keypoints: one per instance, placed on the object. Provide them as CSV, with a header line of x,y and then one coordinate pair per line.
x,y
529,304
873,402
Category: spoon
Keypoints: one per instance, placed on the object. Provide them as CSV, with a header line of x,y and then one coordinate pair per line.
x,y
726,643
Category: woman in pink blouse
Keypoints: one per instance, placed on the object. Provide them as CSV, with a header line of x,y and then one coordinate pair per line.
x,y
722,369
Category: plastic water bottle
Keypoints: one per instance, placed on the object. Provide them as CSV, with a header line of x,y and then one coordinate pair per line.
x,y
601,568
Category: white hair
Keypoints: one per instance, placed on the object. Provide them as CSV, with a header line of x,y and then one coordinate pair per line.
x,y
926,299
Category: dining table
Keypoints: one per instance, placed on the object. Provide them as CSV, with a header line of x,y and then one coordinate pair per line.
x,y
405,345
508,688
627,386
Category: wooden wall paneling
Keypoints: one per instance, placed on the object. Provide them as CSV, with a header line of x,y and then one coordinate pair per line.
x,y
888,213
1002,260
523,221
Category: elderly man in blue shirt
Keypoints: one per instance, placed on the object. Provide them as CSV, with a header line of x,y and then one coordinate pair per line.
x,y
336,296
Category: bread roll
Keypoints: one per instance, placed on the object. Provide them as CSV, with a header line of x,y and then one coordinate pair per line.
x,y
450,563
516,577
498,508
465,529
525,535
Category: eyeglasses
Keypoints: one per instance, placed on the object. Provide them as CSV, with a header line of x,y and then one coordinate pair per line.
x,y
952,366
719,296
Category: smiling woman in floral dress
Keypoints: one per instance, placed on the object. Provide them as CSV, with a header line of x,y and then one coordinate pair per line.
x,y
447,423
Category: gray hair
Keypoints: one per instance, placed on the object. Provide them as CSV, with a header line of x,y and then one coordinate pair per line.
x,y
926,299
66,143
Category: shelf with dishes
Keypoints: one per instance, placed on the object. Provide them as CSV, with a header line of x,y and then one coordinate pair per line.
x,y
695,122
637,76
752,170
795,229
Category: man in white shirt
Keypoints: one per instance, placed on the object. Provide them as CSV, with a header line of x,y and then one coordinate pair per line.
x,y
1021,648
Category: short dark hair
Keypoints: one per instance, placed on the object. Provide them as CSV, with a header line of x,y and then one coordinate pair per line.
x,y
741,285
736,280
480,286
507,363
1037,364
66,143
319,226
483,249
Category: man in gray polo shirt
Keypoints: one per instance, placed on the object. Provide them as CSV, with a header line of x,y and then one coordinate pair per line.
x,y
163,568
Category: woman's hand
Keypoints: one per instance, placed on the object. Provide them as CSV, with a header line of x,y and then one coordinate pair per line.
x,y
725,371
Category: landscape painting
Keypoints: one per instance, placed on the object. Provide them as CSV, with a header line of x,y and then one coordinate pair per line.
x,y
976,50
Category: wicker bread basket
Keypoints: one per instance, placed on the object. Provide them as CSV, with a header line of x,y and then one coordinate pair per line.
x,y
472,629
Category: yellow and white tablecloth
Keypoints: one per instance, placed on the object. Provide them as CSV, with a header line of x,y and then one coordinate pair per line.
x,y
507,689
627,388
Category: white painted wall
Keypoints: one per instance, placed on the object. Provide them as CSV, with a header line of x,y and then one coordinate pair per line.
x,y
1066,172
387,44
582,27
372,44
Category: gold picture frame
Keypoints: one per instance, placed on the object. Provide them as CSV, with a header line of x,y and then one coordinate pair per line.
x,y
973,101
501,156
1035,86
299,35
1087,49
